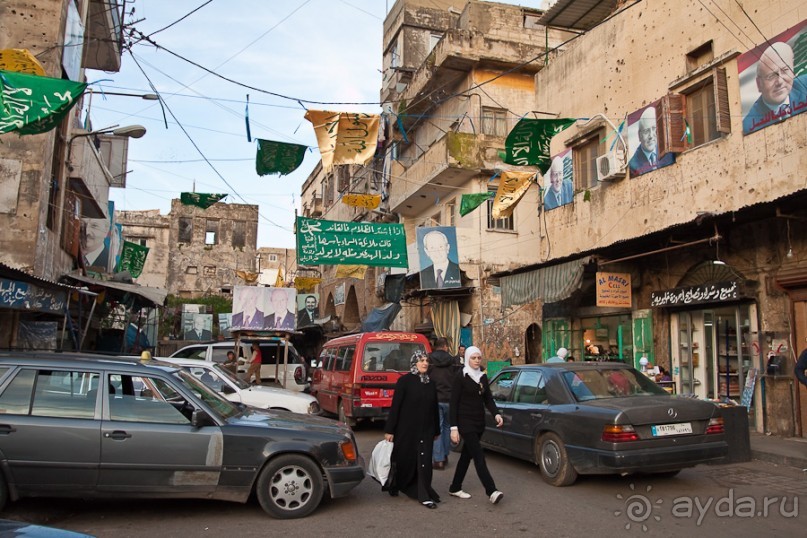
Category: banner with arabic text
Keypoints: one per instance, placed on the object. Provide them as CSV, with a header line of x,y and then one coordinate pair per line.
x,y
200,199
30,104
344,137
132,258
528,142
327,242
367,201
512,187
278,157
351,271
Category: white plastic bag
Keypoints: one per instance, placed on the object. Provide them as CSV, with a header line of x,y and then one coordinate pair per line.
x,y
379,464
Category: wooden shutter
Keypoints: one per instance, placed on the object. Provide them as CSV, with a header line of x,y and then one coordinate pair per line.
x,y
722,116
671,124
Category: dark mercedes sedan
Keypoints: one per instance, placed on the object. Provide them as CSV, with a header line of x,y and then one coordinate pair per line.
x,y
73,425
602,418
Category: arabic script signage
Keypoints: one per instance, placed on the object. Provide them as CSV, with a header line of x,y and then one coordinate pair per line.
x,y
613,289
327,242
24,296
707,293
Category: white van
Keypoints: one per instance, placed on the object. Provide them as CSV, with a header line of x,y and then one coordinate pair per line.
x,y
292,377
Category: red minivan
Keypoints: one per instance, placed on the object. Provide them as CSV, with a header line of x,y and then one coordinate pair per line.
x,y
356,374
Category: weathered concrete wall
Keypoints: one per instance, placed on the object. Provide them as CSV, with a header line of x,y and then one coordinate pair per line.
x,y
155,229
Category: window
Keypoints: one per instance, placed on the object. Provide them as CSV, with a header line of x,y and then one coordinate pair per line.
x,y
191,270
395,58
507,223
494,121
211,232
702,107
531,388
239,233
437,219
585,160
16,399
146,399
700,56
346,359
451,213
210,270
502,386
272,257
65,394
185,229
434,39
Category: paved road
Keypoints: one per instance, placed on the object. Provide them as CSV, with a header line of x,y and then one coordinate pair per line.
x,y
710,500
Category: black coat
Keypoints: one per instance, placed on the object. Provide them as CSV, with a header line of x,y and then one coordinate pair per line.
x,y
414,421
444,369
468,402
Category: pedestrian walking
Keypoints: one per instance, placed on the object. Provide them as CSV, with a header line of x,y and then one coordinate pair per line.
x,y
443,369
470,396
255,364
412,427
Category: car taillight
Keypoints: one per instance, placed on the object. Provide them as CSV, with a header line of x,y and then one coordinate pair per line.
x,y
348,450
715,426
298,375
616,433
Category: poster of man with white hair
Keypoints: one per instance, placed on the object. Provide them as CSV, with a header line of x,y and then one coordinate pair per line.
x,y
773,79
643,142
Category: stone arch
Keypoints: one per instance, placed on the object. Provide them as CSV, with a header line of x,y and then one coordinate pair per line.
x,y
708,272
330,307
351,316
532,344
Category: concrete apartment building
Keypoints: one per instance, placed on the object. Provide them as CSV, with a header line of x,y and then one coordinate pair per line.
x,y
708,247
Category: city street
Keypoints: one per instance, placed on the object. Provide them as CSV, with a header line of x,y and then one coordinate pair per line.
x,y
716,501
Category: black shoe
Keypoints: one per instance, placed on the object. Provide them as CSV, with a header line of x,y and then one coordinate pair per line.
x,y
429,504
439,465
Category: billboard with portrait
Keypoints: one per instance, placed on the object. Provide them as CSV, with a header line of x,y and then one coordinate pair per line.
x,y
643,142
773,79
249,307
558,185
307,308
197,326
437,250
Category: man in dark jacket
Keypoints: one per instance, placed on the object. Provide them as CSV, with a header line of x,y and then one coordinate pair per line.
x,y
801,372
443,369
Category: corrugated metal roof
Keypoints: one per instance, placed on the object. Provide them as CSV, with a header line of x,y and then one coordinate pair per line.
x,y
14,272
578,14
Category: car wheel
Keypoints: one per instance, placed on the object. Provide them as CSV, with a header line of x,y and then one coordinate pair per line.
x,y
556,469
344,418
290,487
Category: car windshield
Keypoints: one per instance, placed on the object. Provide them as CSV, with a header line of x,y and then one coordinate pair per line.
x,y
226,372
225,408
607,383
386,356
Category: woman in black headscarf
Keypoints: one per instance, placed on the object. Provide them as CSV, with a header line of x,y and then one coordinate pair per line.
x,y
412,426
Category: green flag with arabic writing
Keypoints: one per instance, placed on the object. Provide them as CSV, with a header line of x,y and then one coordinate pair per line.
x,y
278,157
200,199
30,104
528,143
328,242
132,258
469,202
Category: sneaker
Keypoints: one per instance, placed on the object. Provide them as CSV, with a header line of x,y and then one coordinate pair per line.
x,y
429,504
461,494
495,497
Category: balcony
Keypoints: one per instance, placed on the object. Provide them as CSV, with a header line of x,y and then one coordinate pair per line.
x,y
93,170
103,36
449,163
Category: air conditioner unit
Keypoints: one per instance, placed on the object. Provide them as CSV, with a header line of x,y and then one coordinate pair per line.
x,y
609,167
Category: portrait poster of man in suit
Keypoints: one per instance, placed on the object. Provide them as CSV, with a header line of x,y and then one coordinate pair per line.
x,y
281,317
773,82
307,308
643,142
248,308
437,248
199,327
559,181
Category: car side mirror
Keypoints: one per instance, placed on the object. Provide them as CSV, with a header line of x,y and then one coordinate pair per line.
x,y
200,418
227,389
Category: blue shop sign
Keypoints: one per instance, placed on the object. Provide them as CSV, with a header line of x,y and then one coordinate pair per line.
x,y
24,296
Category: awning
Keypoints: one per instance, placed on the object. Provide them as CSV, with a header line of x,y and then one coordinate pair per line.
x,y
156,296
549,284
578,14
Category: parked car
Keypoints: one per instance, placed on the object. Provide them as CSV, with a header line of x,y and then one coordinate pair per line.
x,y
356,374
235,389
290,375
602,418
74,425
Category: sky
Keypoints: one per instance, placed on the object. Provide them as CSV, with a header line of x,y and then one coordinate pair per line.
x,y
308,50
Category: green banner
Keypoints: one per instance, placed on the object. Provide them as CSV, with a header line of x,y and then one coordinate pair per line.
x,y
200,199
278,157
327,242
132,258
528,143
30,104
469,202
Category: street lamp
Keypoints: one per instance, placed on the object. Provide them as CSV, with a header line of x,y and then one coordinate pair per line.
x,y
130,131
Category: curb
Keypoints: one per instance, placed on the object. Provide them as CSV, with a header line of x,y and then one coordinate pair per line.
x,y
778,459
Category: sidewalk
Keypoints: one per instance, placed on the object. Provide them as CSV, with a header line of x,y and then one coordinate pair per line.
x,y
779,450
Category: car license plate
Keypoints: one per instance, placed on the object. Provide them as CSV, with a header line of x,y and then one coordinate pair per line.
x,y
671,429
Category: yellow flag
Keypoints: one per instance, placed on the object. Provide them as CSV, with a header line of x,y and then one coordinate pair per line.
x,y
279,282
512,187
369,201
247,276
344,137
306,284
350,271
20,61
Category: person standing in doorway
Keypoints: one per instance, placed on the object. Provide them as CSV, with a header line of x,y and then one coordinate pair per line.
x,y
470,395
801,368
255,364
442,371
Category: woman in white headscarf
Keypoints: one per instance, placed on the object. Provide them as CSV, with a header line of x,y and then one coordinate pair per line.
x,y
470,395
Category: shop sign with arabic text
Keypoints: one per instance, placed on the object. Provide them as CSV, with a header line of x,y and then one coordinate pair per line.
x,y
24,296
707,293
